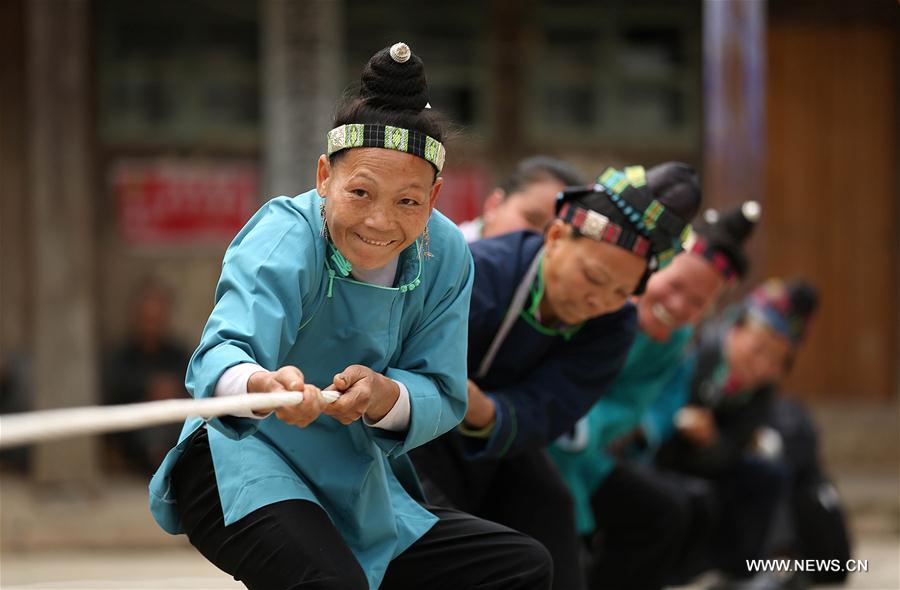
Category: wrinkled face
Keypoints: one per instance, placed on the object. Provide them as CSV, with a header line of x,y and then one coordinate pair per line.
x,y
756,354
377,202
678,295
584,278
532,208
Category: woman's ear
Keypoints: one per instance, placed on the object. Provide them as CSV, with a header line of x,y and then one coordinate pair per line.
x,y
556,230
435,189
323,175
494,200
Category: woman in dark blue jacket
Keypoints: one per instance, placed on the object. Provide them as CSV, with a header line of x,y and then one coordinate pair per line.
x,y
549,328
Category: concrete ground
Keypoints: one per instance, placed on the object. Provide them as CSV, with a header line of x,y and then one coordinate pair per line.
x,y
148,569
159,569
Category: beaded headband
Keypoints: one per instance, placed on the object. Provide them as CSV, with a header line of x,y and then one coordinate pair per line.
x,y
416,143
770,303
697,244
655,224
628,190
598,227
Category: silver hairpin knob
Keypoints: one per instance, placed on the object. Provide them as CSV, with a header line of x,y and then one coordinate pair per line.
x,y
751,211
400,52
711,216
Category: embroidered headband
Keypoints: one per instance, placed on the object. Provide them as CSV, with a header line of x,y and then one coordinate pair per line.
x,y
771,303
697,244
628,190
716,252
416,143
599,227
658,232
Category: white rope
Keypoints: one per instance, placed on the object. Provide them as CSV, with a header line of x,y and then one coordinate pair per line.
x,y
31,427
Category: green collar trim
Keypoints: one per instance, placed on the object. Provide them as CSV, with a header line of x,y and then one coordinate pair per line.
x,y
339,267
529,314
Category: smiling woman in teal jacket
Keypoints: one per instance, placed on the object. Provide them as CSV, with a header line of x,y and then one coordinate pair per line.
x,y
358,287
640,514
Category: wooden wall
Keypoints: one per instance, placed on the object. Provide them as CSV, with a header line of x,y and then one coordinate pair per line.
x,y
831,209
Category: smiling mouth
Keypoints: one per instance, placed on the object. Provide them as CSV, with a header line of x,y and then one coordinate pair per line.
x,y
663,315
375,242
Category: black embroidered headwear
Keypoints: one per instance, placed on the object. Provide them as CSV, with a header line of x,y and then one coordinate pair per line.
x,y
394,80
786,308
720,238
644,212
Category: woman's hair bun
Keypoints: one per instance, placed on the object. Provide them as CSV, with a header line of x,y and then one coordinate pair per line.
x,y
740,222
728,231
803,296
677,186
394,79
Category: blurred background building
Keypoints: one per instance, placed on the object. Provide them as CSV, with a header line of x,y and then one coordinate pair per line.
x,y
137,137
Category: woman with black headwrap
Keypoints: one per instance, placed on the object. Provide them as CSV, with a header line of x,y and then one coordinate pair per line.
x,y
549,328
633,521
738,361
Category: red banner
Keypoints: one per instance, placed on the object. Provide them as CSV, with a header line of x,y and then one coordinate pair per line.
x,y
463,193
165,202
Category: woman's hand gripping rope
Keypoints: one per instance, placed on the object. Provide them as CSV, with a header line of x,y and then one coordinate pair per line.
x,y
290,378
363,392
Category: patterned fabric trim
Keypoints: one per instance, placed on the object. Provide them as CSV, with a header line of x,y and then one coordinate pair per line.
x,y
628,190
354,135
598,227
697,244
771,303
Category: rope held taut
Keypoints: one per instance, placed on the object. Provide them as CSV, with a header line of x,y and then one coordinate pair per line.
x,y
31,427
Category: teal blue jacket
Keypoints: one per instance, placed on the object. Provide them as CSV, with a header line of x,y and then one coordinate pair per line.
x,y
282,301
658,423
582,456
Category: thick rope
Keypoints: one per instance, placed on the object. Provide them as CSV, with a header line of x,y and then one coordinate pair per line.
x,y
31,427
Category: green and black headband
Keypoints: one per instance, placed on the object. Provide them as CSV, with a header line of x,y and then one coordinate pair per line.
x,y
354,135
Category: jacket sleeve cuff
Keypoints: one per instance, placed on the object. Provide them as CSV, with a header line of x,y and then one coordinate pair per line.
x,y
234,382
215,362
427,418
397,419
502,436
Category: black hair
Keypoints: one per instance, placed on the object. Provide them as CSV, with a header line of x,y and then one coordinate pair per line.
x,y
804,298
392,93
538,168
727,234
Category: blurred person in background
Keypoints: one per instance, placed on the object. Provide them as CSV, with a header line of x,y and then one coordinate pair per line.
x,y
729,389
149,365
550,325
636,523
811,522
362,288
525,200
15,396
